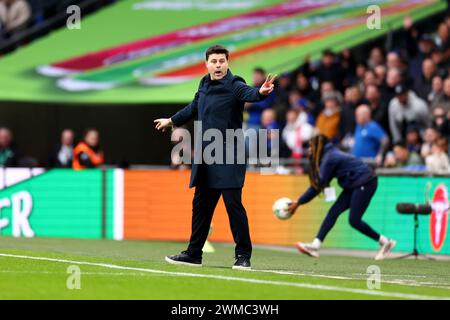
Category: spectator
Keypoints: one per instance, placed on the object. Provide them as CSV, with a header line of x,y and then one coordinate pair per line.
x,y
370,79
443,100
406,109
441,121
393,61
430,137
441,63
378,107
327,87
413,139
88,154
393,79
380,74
328,70
361,70
255,109
438,161
328,120
62,154
281,103
297,101
436,90
352,99
370,139
419,53
443,39
269,122
297,132
9,156
348,66
423,84
376,58
401,157
14,15
304,87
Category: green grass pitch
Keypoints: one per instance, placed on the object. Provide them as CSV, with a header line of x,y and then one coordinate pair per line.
x,y
38,269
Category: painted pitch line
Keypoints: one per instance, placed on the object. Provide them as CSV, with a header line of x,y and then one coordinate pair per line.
x,y
293,273
411,283
131,274
240,279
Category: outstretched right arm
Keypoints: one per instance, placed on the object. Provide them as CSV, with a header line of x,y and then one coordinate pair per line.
x,y
181,117
187,113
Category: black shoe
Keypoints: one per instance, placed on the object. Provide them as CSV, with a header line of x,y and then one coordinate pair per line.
x,y
184,259
242,263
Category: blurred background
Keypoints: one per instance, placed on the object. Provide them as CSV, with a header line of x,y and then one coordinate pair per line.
x,y
82,81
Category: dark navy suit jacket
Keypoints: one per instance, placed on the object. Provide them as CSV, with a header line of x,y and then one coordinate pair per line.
x,y
218,104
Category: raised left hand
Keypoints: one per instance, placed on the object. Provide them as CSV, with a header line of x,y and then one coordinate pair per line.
x,y
267,86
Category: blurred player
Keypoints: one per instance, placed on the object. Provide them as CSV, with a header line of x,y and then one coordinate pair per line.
x,y
359,183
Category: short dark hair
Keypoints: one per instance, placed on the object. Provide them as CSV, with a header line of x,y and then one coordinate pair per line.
x,y
217,49
328,52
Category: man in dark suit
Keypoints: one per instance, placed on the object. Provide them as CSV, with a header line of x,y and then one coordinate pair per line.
x,y
218,104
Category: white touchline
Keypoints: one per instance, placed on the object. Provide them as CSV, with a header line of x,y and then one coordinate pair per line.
x,y
410,283
239,279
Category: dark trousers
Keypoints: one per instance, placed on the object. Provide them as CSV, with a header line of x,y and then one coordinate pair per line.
x,y
357,200
203,205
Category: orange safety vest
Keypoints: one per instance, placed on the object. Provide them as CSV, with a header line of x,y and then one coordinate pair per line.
x,y
83,147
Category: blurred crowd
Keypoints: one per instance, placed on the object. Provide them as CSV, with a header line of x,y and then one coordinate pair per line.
x,y
87,153
19,15
14,16
393,108
390,108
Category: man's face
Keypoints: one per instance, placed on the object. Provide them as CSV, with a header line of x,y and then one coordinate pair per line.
x,y
393,61
217,66
372,94
67,137
393,77
92,138
425,46
447,87
401,154
403,98
327,60
258,78
362,115
439,116
428,68
5,138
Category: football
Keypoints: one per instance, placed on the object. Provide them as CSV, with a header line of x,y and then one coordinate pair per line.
x,y
280,208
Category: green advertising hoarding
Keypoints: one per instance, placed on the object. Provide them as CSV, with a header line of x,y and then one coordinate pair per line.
x,y
59,203
432,235
90,204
